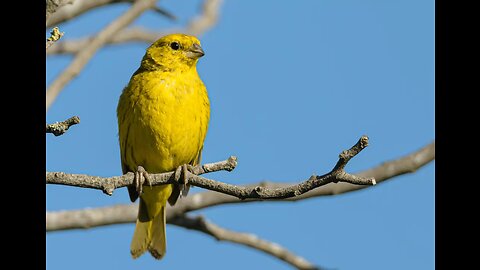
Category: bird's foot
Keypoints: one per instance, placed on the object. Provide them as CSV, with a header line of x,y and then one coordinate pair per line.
x,y
141,176
181,176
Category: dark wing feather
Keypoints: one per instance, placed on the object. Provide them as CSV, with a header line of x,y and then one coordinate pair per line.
x,y
132,190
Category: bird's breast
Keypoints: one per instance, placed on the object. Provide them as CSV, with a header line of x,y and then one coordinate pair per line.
x,y
169,125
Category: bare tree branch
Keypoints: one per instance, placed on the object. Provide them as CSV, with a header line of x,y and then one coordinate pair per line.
x,y
381,173
88,218
133,34
59,128
207,18
246,239
91,217
83,57
107,185
55,35
79,7
117,215
54,5
197,26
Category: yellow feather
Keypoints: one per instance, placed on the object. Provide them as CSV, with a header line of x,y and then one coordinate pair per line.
x,y
163,116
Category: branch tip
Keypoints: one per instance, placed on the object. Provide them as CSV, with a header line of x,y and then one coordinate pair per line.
x,y
346,155
232,163
59,128
109,190
363,141
55,35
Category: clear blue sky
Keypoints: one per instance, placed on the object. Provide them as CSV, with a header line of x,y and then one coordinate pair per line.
x,y
291,85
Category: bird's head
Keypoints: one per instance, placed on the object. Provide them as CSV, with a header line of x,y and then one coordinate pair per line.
x,y
173,52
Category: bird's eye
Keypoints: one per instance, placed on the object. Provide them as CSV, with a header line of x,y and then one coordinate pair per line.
x,y
174,45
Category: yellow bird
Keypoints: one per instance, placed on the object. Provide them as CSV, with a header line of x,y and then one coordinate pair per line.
x,y
163,115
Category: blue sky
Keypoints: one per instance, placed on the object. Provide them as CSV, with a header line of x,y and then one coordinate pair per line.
x,y
291,85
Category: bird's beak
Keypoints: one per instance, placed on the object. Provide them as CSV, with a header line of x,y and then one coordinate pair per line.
x,y
195,51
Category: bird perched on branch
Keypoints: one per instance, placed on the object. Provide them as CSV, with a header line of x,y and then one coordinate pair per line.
x,y
163,115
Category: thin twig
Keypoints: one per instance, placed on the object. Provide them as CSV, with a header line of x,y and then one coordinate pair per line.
x,y
197,26
247,239
55,35
79,7
165,13
83,57
127,213
59,128
107,185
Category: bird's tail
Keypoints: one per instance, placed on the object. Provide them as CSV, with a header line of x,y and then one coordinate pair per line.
x,y
150,229
158,242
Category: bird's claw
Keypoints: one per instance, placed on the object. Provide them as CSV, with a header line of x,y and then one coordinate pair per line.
x,y
141,176
181,176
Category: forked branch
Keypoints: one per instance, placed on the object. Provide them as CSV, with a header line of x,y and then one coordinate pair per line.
x,y
206,19
127,213
88,51
338,174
